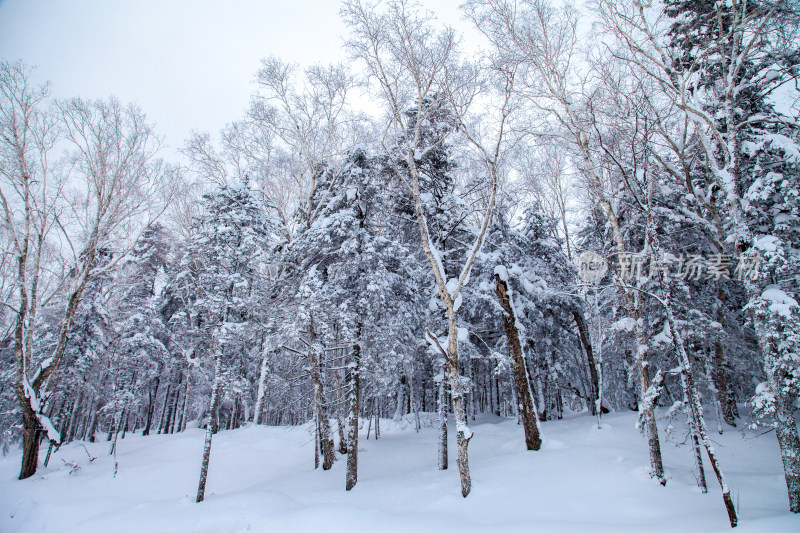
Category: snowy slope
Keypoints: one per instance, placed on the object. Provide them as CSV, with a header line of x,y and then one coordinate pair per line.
x,y
262,479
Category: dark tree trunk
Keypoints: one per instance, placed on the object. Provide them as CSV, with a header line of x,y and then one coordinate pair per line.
x,y
369,425
173,409
316,441
164,408
720,382
497,395
73,419
583,334
524,400
151,406
170,406
95,418
30,446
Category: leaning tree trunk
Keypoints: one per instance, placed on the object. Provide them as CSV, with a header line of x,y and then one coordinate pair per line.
x,y
697,412
690,390
521,386
352,418
694,434
211,428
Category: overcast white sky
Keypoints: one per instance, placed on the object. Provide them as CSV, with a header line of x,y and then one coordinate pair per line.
x,y
188,63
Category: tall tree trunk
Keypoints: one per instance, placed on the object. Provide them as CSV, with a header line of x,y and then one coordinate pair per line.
x,y
317,444
415,405
164,408
786,431
115,431
87,420
211,427
95,419
326,442
647,410
583,334
261,398
401,399
369,423
171,401
73,419
700,473
152,394
463,432
352,437
691,389
174,420
185,410
339,422
720,383
497,404
521,386
442,410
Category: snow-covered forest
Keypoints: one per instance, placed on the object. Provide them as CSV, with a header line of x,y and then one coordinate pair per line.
x,y
576,226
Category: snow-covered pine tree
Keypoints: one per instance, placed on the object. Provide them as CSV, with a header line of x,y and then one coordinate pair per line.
x,y
350,283
143,335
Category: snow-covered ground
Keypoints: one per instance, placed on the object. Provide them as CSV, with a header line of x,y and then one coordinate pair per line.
x,y
263,479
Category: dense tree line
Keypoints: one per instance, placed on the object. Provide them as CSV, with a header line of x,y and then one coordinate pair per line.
x,y
550,227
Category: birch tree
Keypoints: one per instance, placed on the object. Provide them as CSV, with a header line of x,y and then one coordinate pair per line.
x,y
412,62
312,119
109,188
